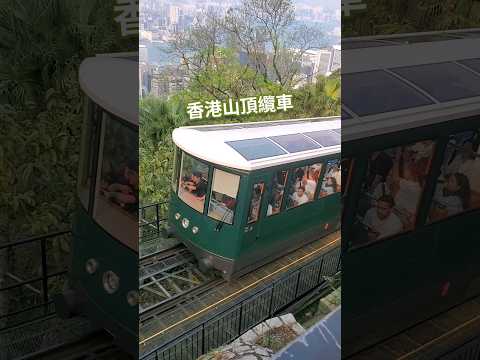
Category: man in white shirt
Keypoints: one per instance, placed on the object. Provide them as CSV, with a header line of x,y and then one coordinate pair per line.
x,y
381,220
299,197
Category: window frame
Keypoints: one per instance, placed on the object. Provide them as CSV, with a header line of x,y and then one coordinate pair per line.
x,y
177,158
323,173
209,178
262,181
426,193
210,192
290,179
441,154
89,154
282,202
105,115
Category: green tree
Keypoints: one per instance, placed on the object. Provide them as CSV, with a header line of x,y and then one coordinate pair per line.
x,y
42,43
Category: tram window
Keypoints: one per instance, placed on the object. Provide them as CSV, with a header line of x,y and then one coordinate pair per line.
x,y
193,182
223,198
176,168
304,184
332,179
116,198
119,166
392,191
278,189
87,156
458,185
256,202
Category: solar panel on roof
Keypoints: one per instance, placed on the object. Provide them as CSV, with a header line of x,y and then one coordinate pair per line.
x,y
444,81
295,142
253,149
325,138
473,64
374,92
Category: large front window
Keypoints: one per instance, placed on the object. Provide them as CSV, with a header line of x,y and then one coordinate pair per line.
x,y
88,154
193,183
223,198
116,190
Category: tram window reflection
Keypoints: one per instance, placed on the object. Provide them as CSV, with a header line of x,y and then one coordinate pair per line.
x,y
392,191
193,182
458,185
278,189
223,198
88,154
119,180
304,185
256,202
332,179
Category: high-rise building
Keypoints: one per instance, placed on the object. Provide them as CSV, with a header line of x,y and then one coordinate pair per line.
x,y
174,14
167,80
143,53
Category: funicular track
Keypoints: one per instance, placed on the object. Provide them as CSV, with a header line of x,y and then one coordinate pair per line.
x,y
168,278
217,311
169,275
451,335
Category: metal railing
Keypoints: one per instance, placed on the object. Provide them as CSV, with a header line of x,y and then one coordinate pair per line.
x,y
151,217
241,316
31,272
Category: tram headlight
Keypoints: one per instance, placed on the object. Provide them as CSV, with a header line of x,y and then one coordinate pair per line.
x,y
195,229
185,223
177,216
111,282
132,298
91,266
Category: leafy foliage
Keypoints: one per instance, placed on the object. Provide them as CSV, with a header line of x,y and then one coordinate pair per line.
x,y
159,116
42,43
403,16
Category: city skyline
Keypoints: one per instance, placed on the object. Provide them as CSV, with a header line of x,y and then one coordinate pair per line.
x,y
161,72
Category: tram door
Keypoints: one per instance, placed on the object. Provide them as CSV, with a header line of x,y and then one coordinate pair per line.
x,y
256,210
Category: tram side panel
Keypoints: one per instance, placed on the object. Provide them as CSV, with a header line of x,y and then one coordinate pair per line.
x,y
395,282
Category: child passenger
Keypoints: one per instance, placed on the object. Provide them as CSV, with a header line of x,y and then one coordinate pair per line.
x,y
454,197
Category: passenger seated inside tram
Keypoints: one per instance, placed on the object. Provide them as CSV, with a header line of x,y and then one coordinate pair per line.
x,y
124,188
310,181
299,197
329,186
255,203
381,221
276,203
453,198
195,184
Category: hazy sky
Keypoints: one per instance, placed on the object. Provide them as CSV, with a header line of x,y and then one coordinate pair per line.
x,y
329,4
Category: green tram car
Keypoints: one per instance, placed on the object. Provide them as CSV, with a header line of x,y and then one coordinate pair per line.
x,y
104,270
244,194
411,175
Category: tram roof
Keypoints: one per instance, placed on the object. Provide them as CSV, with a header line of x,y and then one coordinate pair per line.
x,y
111,81
405,81
251,146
